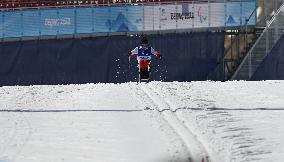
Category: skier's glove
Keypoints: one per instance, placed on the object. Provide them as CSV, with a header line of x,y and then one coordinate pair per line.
x,y
129,53
158,55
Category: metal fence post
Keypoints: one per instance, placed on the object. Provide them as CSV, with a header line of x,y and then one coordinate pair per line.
x,y
160,18
57,30
22,24
225,8
1,27
143,18
93,21
266,38
209,13
231,39
176,18
3,22
193,8
246,33
276,30
241,12
250,68
40,23
109,17
75,21
238,46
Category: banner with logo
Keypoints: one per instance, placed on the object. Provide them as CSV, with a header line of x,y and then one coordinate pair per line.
x,y
124,18
201,15
48,22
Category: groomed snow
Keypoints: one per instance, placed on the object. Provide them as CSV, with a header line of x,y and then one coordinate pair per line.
x,y
154,122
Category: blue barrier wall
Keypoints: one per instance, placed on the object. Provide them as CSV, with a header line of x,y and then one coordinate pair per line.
x,y
186,57
124,18
272,67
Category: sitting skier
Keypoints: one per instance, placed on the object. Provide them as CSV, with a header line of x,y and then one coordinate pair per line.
x,y
144,55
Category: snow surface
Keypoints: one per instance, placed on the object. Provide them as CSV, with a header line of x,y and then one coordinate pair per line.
x,y
233,121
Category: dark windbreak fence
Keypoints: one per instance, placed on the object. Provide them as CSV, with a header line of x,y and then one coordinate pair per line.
x,y
186,57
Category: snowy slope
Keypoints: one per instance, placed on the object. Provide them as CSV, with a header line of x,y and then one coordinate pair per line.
x,y
226,121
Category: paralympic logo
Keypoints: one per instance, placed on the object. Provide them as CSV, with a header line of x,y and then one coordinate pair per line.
x,y
201,16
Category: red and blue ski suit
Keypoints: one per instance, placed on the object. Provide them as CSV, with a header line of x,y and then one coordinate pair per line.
x,y
144,55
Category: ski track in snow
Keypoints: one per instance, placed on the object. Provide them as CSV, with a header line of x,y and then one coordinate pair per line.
x,y
197,152
148,102
232,129
194,143
15,140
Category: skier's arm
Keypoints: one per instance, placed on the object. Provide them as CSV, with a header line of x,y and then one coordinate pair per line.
x,y
133,52
155,53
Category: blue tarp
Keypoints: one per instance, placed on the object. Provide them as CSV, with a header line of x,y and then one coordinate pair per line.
x,y
186,57
272,67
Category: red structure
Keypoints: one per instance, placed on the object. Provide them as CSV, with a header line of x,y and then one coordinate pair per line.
x,y
13,4
42,3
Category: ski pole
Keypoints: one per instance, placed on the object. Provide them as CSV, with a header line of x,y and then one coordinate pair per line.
x,y
129,62
129,59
